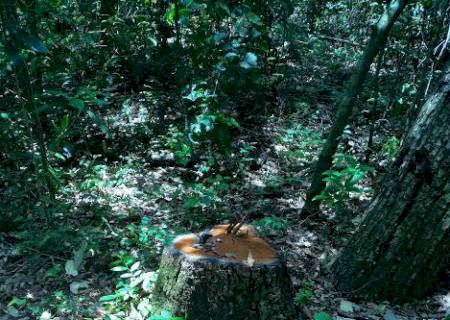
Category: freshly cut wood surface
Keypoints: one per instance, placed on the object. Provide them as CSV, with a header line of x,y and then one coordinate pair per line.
x,y
216,275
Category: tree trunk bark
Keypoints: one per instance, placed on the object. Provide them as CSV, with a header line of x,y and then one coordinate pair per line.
x,y
351,91
404,241
226,277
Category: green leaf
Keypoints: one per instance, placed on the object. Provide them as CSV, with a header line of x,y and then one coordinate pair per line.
x,y
170,14
357,177
64,122
322,316
135,266
221,136
346,306
182,156
126,275
333,173
76,103
224,6
230,121
59,156
320,197
4,115
110,297
17,302
219,36
250,61
33,42
101,124
190,202
230,56
119,269
254,18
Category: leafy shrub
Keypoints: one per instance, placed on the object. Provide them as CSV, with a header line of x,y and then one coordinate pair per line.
x,y
299,143
305,293
390,148
302,296
342,182
271,225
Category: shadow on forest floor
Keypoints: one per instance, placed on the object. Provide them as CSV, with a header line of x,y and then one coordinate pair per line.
x,y
114,218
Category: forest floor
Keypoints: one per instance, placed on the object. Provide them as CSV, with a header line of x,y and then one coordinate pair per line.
x,y
99,259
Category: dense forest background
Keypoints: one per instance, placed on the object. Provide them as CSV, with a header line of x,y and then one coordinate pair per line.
x,y
125,123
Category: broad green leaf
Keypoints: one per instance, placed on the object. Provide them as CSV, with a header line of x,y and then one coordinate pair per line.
x,y
170,14
346,306
110,297
33,42
17,302
76,103
136,282
322,316
230,56
59,156
221,136
119,269
219,36
249,61
126,275
224,6
64,122
357,177
320,197
254,18
101,124
135,266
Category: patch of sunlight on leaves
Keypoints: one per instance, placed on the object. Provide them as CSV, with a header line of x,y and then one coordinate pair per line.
x,y
322,316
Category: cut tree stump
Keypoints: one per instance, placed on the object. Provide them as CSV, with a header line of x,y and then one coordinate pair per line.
x,y
221,275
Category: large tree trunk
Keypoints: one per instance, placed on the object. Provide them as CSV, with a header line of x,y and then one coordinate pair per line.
x,y
404,241
222,276
351,91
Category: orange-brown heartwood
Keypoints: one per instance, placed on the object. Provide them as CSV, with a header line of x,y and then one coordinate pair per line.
x,y
218,274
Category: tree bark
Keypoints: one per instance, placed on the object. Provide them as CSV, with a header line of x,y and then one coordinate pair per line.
x,y
404,241
351,91
221,286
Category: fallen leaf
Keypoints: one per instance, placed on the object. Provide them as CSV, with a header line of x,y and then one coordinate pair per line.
x,y
75,286
346,306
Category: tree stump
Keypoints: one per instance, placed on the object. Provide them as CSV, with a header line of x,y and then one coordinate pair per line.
x,y
220,275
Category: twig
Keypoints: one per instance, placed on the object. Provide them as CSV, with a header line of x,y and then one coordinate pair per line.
x,y
234,227
45,254
443,44
430,79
